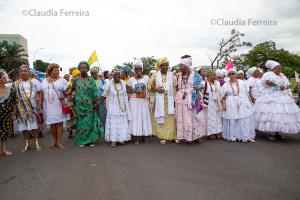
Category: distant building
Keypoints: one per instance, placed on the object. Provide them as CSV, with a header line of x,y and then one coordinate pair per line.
x,y
18,39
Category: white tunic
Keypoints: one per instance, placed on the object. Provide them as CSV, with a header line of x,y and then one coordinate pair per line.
x,y
30,87
52,105
256,86
238,104
140,111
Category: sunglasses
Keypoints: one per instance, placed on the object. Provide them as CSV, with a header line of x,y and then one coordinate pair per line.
x,y
231,74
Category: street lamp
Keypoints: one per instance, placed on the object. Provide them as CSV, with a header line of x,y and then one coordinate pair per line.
x,y
34,62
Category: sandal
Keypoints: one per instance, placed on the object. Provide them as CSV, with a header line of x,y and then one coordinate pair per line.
x,y
163,142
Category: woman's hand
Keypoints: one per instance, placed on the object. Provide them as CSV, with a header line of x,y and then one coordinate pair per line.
x,y
270,83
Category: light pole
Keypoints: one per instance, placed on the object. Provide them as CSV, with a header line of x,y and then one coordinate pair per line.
x,y
34,62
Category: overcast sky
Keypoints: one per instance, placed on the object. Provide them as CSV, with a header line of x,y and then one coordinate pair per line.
x,y
122,29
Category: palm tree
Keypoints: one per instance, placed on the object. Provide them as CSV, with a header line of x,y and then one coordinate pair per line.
x,y
12,56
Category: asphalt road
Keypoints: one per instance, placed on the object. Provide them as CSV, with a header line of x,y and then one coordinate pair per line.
x,y
211,170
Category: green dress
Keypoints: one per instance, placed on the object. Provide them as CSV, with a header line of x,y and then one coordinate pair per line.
x,y
89,127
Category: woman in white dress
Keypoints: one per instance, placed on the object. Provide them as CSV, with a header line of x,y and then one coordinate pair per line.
x,y
53,88
29,95
254,83
238,124
139,104
214,107
275,111
117,128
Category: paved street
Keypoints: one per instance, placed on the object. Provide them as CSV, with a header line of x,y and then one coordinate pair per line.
x,y
211,170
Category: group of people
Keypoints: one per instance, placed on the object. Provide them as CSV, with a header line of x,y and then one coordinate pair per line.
x,y
183,106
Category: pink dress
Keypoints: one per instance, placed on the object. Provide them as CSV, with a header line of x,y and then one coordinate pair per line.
x,y
189,128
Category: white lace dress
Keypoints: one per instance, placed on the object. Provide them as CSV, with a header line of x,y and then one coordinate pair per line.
x,y
238,123
139,106
117,126
214,112
275,110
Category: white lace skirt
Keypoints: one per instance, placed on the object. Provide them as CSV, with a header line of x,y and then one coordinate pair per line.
x,y
238,129
117,128
277,113
141,119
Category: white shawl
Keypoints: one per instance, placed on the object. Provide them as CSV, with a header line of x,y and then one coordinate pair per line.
x,y
159,113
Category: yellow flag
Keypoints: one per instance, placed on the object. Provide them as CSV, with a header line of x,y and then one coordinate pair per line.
x,y
93,58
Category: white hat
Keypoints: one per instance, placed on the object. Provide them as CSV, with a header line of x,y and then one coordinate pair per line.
x,y
241,72
271,64
137,63
251,71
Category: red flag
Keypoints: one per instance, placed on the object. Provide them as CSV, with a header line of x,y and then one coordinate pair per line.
x,y
229,65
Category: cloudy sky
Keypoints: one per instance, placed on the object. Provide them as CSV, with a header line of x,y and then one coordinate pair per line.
x,y
122,29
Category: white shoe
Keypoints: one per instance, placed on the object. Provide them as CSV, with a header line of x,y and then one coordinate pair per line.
x,y
252,141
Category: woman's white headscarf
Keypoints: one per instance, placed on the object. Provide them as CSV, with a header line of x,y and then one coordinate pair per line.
x,y
271,64
137,63
251,71
187,61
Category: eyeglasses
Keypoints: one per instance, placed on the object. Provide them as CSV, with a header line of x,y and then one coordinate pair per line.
x,y
231,74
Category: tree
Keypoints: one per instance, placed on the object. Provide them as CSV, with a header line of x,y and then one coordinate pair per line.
x,y
40,65
12,56
264,51
148,64
227,47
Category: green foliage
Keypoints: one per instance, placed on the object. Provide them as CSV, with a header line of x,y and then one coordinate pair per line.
x,y
40,65
288,71
262,52
12,56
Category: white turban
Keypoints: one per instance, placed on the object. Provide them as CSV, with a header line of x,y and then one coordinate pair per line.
x,y
186,61
241,72
137,63
251,71
221,73
271,64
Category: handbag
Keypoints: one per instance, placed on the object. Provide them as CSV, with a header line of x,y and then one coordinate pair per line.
x,y
64,107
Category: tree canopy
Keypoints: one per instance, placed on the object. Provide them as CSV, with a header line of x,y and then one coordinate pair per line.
x,y
12,56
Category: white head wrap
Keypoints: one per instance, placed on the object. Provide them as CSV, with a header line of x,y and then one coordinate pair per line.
x,y
271,64
241,72
137,63
221,73
186,61
251,71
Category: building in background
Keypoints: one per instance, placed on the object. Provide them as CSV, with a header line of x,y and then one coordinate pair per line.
x,y
17,38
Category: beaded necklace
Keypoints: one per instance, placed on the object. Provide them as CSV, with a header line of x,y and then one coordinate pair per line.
x,y
238,88
118,97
